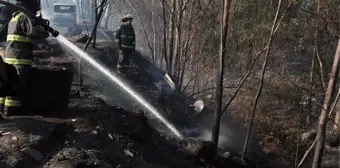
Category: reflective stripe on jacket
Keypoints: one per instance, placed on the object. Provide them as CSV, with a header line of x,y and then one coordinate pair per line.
x,y
19,50
2,100
15,61
126,46
12,101
125,35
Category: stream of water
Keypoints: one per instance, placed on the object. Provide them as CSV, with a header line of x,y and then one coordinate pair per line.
x,y
66,43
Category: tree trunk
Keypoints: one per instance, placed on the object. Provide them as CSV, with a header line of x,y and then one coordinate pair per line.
x,y
107,16
165,49
220,72
311,74
94,30
153,32
97,20
320,144
179,61
336,125
172,37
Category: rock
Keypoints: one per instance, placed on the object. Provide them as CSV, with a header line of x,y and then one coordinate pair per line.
x,y
308,136
110,136
203,149
226,155
61,158
128,153
36,155
14,138
81,38
4,133
270,144
334,140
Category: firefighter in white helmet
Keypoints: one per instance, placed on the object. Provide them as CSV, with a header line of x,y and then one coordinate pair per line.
x,y
126,40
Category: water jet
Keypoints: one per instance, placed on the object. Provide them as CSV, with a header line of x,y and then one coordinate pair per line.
x,y
66,43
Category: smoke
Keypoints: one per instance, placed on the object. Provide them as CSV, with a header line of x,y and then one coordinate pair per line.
x,y
231,137
225,142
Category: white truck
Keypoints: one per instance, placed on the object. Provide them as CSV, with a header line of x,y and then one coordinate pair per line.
x,y
64,18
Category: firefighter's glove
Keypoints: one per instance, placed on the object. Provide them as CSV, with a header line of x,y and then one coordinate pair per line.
x,y
42,22
40,28
39,32
118,44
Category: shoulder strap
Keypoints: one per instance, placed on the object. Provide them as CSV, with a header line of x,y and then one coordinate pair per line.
x,y
16,16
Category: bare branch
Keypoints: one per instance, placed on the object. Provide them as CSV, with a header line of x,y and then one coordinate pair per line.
x,y
142,26
243,80
253,63
198,72
185,5
212,88
320,68
264,66
306,154
334,104
320,144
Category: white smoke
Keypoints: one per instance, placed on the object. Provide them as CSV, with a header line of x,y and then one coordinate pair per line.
x,y
205,134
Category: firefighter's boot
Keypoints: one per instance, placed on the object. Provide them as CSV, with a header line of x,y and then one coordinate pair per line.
x,y
2,104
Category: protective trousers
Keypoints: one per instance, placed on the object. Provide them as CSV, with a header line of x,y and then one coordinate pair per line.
x,y
7,93
14,103
125,57
2,103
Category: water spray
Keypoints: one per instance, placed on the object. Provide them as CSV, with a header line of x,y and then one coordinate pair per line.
x,y
116,80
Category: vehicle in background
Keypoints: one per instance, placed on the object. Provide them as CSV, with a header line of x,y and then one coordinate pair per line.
x,y
64,19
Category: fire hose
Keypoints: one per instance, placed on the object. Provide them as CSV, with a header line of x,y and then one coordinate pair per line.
x,y
38,20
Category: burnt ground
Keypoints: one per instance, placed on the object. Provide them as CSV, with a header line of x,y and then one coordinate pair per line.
x,y
90,134
93,133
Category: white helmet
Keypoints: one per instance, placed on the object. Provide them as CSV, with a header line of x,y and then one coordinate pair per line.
x,y
127,17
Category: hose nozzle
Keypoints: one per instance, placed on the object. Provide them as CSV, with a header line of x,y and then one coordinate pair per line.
x,y
54,33
46,24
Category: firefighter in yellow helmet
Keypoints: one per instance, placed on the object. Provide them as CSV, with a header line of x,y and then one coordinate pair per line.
x,y
22,31
126,40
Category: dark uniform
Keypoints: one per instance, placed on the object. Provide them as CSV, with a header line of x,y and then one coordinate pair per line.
x,y
9,84
19,50
126,39
5,16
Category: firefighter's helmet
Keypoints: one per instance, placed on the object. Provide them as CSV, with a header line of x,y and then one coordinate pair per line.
x,y
32,5
127,17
